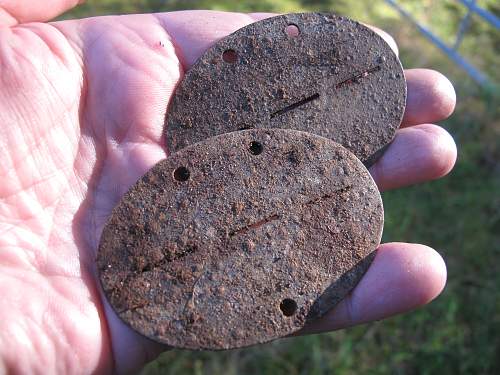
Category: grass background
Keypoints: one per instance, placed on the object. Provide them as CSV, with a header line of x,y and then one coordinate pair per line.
x,y
459,333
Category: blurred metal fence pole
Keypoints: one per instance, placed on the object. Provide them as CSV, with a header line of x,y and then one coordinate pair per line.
x,y
451,52
462,28
483,13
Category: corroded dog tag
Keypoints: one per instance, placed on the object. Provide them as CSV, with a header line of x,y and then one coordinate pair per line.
x,y
319,73
240,239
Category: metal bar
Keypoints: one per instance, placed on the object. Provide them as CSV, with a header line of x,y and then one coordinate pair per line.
x,y
488,16
464,25
474,73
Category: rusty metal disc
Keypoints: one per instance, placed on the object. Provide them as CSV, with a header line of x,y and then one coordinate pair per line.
x,y
319,73
240,239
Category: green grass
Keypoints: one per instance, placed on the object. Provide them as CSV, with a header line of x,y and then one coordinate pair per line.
x,y
459,333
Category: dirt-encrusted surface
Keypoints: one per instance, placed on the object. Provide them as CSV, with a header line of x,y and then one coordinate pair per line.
x,y
319,73
240,239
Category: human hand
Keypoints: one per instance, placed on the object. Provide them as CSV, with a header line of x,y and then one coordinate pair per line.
x,y
82,107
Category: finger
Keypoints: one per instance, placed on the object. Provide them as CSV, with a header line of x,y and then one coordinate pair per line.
x,y
13,12
431,97
387,37
417,154
401,278
193,32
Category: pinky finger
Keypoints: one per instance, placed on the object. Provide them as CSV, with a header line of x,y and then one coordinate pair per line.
x,y
402,277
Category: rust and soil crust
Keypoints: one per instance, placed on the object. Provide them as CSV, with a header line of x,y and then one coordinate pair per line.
x,y
240,239
319,73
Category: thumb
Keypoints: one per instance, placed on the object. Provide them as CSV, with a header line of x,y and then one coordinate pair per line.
x,y
13,12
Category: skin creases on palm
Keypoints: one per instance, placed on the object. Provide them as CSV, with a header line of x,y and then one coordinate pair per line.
x,y
82,106
73,140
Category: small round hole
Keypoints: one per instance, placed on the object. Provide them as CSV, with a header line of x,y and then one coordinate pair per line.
x,y
230,56
256,148
292,30
288,307
181,174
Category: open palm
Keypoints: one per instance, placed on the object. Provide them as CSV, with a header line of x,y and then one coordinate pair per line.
x,y
82,106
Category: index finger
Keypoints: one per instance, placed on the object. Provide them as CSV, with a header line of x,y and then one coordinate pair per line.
x,y
13,12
